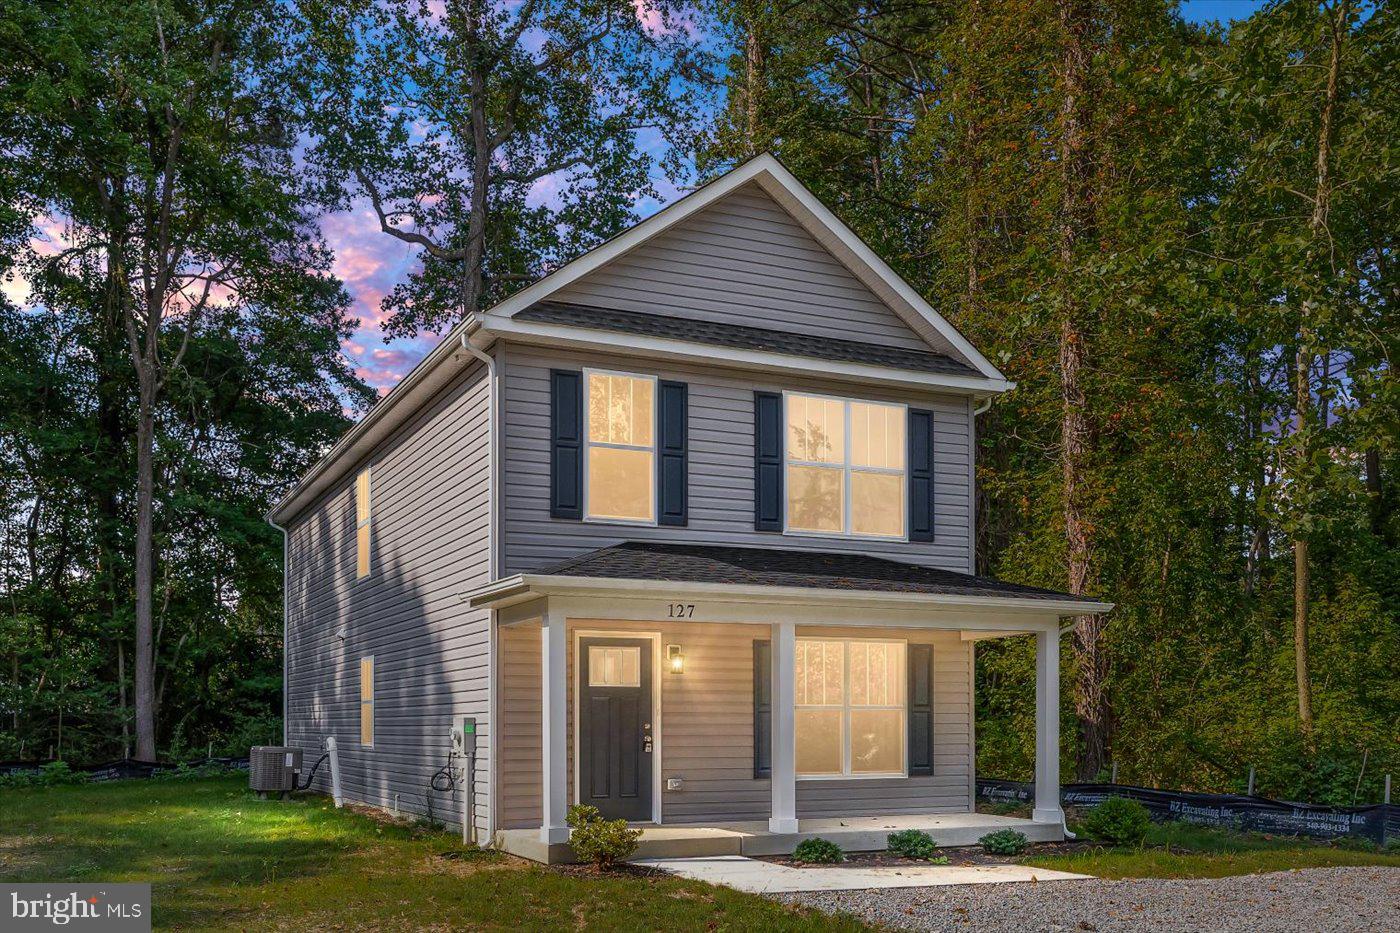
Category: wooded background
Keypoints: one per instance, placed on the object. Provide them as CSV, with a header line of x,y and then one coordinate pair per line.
x,y
1180,242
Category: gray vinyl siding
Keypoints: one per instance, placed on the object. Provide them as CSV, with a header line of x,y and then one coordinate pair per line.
x,y
431,653
721,466
521,738
706,729
744,260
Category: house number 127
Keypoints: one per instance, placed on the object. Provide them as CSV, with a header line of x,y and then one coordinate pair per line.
x,y
682,610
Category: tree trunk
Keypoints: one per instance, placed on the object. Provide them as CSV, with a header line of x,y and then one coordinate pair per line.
x,y
1322,197
1375,491
144,681
753,78
121,699
1076,229
475,252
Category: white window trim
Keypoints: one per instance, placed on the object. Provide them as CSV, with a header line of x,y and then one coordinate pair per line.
x,y
588,446
846,773
371,702
846,468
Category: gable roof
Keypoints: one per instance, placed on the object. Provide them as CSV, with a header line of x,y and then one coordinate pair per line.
x,y
814,216
449,357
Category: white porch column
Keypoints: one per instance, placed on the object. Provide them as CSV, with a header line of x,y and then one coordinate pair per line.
x,y
1047,727
784,661
554,765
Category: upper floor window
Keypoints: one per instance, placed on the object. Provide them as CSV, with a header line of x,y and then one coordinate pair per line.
x,y
845,467
362,523
620,448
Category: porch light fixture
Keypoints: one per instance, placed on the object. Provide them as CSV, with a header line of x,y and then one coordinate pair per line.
x,y
674,659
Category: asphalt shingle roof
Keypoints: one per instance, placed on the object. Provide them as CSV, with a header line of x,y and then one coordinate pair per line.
x,y
705,563
742,337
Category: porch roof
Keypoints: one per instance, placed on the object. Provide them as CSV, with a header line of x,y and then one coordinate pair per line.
x,y
776,569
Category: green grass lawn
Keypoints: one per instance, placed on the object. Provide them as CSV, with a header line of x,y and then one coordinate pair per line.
x,y
1180,850
219,858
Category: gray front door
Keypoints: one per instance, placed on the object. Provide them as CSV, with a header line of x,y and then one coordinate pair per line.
x,y
615,727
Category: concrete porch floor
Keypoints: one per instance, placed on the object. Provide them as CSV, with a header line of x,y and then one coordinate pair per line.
x,y
854,834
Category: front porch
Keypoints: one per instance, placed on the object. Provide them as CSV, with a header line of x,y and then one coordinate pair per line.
x,y
738,718
754,838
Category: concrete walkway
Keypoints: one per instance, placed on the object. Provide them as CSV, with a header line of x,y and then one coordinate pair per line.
x,y
759,877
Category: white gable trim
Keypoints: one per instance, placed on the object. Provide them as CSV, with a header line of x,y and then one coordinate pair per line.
x,y
814,216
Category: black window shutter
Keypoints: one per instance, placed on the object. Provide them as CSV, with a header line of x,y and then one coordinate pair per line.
x,y
920,436
672,460
762,710
920,709
566,444
767,461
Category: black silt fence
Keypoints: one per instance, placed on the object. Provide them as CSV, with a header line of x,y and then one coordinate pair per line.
x,y
1378,823
127,769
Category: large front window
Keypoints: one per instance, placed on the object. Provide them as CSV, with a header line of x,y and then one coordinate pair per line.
x,y
849,704
621,477
845,467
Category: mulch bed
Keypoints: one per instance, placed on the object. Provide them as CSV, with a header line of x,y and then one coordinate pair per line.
x,y
957,855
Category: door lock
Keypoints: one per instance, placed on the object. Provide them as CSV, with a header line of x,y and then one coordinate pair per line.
x,y
646,744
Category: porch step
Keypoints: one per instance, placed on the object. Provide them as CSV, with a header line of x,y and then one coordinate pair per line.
x,y
689,842
656,842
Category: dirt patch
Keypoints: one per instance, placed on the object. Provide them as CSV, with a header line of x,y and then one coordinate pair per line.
x,y
956,855
21,852
465,862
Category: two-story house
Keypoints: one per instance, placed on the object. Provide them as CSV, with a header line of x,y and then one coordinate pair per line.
x,y
686,527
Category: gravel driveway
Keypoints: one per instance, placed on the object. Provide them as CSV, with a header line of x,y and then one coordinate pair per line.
x,y
1325,900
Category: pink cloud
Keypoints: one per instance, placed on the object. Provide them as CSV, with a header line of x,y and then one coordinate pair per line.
x,y
651,18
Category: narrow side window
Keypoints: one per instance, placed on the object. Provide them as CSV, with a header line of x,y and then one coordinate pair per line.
x,y
367,701
362,524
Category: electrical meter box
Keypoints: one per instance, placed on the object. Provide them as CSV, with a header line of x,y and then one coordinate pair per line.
x,y
464,736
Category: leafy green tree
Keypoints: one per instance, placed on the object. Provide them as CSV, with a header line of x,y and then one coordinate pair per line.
x,y
501,139
1117,206
159,138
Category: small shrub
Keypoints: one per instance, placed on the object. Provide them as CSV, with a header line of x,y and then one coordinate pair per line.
x,y
817,850
1119,821
1392,845
1004,842
912,843
600,841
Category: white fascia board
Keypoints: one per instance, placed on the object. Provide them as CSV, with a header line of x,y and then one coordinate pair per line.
x,y
529,586
670,349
